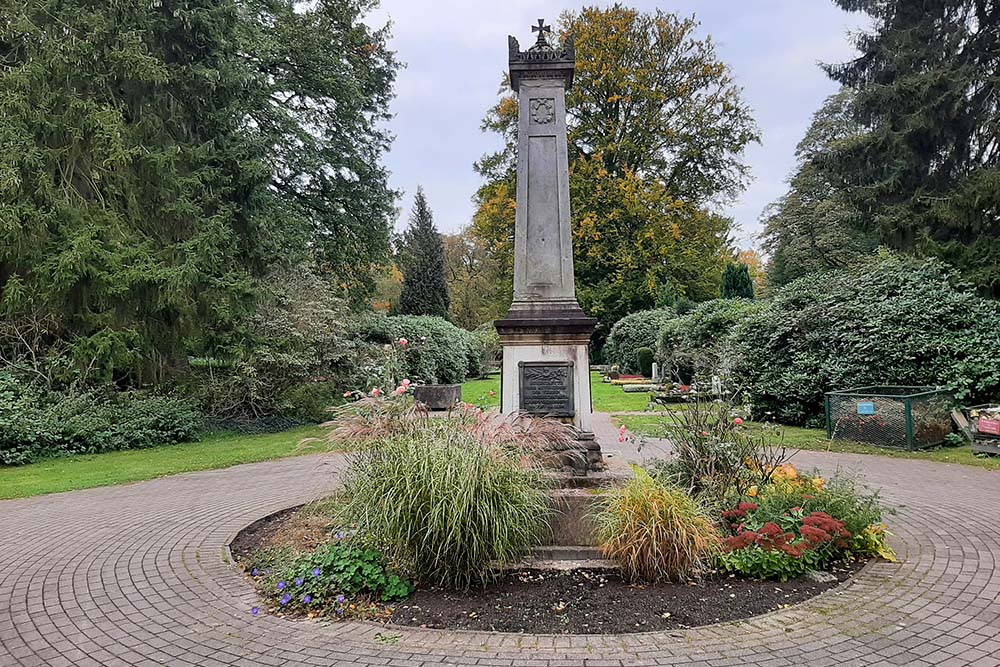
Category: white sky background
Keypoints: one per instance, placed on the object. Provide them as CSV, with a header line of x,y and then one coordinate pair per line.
x,y
455,53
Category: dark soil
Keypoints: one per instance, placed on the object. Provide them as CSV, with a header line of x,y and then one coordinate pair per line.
x,y
578,601
599,602
260,532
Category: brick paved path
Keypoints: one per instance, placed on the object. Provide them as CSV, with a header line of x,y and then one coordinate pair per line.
x,y
136,575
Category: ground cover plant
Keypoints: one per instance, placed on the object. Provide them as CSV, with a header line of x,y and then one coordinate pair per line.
x,y
801,522
38,422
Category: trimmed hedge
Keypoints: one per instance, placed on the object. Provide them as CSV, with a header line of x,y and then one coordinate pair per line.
x,y
641,329
36,423
693,346
437,352
893,321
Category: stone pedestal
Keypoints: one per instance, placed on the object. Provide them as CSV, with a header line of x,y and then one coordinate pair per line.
x,y
545,335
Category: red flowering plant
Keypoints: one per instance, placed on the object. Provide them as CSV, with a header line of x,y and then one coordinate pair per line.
x,y
802,522
783,549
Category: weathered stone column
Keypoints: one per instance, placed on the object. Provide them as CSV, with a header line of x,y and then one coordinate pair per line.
x,y
545,335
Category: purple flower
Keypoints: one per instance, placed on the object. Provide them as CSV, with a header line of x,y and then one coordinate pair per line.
x,y
307,599
340,612
288,598
338,535
281,585
255,610
298,581
255,572
316,571
340,599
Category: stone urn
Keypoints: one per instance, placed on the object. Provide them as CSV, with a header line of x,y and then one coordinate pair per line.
x,y
438,396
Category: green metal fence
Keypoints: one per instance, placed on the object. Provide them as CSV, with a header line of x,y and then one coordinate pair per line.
x,y
890,416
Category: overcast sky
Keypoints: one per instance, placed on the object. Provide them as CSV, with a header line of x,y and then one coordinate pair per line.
x,y
456,53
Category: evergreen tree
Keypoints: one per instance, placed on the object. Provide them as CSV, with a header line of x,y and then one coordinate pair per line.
x,y
421,258
925,173
814,226
736,282
158,158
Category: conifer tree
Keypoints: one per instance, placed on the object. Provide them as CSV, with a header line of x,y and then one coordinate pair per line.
x,y
157,159
736,282
924,174
421,258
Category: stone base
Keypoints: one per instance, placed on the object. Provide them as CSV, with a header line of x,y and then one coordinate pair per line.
x,y
552,333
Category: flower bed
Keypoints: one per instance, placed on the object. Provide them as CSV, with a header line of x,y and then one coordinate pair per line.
x,y
586,601
436,516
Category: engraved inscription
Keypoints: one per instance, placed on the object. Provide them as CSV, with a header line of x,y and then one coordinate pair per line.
x,y
547,388
543,110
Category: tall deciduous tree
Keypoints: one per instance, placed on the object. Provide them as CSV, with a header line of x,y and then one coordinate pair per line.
x,y
477,284
421,258
925,174
657,130
156,158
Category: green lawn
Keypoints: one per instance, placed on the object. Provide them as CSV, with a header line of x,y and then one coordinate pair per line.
x,y
815,439
87,471
606,397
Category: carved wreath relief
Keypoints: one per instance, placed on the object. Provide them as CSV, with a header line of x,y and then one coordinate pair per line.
x,y
543,110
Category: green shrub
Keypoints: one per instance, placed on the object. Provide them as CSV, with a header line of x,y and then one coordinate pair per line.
x,y
436,351
488,347
442,505
644,357
632,332
693,346
654,531
311,401
889,322
36,423
295,339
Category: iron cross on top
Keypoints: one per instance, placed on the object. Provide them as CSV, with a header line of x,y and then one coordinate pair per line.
x,y
541,29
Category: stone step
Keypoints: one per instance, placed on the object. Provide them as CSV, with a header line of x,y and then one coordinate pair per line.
x,y
567,558
574,552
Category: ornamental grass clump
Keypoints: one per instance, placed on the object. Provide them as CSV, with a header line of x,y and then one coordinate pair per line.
x,y
656,532
444,506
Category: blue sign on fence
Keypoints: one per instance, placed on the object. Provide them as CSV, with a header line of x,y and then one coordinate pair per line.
x,y
866,408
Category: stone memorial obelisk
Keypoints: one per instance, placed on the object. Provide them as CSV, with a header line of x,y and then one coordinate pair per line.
x,y
545,335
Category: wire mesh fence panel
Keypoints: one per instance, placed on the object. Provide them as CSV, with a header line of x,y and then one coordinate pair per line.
x,y
896,417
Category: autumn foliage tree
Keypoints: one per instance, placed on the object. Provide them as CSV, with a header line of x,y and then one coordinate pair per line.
x,y
657,129
479,288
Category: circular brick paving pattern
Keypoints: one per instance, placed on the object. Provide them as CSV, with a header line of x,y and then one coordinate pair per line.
x,y
138,575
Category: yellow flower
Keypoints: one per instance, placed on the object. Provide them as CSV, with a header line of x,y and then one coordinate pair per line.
x,y
752,492
819,483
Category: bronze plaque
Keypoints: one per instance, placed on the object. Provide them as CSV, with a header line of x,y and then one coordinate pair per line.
x,y
547,388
